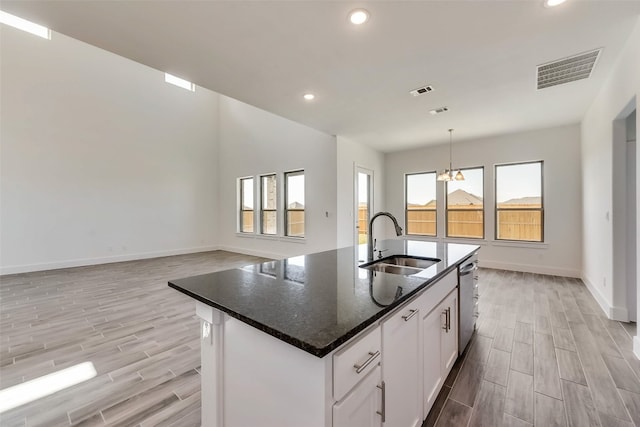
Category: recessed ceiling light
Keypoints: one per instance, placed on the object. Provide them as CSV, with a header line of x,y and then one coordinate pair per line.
x,y
177,81
24,25
552,3
358,16
309,96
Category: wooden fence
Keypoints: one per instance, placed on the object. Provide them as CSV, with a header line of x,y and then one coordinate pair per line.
x,y
514,223
295,223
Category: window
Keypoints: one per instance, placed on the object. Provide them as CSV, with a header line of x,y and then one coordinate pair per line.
x,y
465,205
246,205
294,203
420,203
268,205
519,207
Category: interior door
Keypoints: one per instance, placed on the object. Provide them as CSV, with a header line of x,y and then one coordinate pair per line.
x,y
364,204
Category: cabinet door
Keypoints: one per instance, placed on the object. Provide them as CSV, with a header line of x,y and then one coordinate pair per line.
x,y
432,331
450,334
400,368
362,406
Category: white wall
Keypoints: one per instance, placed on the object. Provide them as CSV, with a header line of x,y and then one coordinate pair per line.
x,y
558,147
254,142
351,155
601,163
101,159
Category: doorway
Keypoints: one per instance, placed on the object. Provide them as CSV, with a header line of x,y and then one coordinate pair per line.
x,y
632,194
624,216
363,204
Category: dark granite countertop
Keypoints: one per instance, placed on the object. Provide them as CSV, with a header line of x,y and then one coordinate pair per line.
x,y
319,301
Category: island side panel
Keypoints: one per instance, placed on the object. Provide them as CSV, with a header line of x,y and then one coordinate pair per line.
x,y
211,364
268,382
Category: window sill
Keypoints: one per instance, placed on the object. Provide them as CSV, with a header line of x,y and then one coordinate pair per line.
x,y
461,240
270,237
293,239
516,244
245,235
267,236
465,241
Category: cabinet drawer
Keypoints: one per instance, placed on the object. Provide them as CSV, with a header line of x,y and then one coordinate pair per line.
x,y
428,300
354,362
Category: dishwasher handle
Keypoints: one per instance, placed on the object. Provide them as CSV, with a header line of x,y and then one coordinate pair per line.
x,y
468,269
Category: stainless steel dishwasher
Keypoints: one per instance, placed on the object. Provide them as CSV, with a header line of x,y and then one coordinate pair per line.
x,y
468,297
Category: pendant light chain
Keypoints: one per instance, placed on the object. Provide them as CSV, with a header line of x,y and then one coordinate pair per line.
x,y
448,175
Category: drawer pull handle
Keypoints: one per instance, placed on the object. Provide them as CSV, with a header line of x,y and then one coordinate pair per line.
x,y
410,315
383,413
372,357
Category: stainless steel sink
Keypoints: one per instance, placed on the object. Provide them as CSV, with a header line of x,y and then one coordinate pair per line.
x,y
401,264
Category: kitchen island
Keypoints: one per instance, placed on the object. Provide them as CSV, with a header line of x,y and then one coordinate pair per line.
x,y
309,340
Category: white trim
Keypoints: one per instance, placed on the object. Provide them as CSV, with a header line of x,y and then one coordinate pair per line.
x,y
26,268
521,244
529,268
636,346
293,239
245,251
621,314
597,295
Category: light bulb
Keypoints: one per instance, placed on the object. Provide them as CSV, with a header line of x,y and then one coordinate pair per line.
x,y
358,16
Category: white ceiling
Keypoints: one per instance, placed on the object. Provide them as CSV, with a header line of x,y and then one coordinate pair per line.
x,y
480,56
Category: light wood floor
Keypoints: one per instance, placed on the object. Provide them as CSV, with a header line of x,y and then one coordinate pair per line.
x,y
544,353
141,336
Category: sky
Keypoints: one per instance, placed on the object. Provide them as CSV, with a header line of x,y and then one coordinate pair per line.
x,y
295,189
514,181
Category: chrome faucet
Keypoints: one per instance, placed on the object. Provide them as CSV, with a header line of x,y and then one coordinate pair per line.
x,y
371,241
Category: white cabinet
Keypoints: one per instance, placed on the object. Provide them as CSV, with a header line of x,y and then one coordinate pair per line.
x,y
450,334
362,407
432,354
401,365
440,346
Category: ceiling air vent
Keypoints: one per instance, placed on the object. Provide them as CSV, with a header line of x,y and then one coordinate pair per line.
x,y
567,70
439,110
421,90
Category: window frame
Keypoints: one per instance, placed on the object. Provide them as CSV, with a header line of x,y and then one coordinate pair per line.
x,y
541,209
286,209
241,209
263,209
406,203
447,210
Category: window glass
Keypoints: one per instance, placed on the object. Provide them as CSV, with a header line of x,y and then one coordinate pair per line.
x,y
246,205
269,213
519,203
465,205
420,204
294,204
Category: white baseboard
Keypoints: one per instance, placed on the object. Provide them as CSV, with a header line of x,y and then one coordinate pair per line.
x,y
529,268
612,312
26,268
620,314
636,346
252,252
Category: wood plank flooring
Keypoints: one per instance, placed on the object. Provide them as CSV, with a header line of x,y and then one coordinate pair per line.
x,y
140,335
544,353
